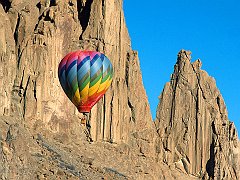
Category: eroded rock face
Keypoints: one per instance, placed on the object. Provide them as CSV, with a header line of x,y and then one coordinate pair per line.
x,y
35,35
194,131
8,63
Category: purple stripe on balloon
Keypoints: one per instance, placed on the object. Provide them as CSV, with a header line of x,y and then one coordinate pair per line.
x,y
93,53
64,61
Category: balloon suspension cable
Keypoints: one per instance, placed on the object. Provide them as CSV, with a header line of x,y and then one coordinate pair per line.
x,y
88,127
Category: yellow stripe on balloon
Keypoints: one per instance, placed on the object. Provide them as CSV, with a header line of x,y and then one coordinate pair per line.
x,y
94,88
102,86
108,84
76,98
84,93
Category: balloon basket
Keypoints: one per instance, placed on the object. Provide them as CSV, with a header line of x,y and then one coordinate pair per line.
x,y
85,121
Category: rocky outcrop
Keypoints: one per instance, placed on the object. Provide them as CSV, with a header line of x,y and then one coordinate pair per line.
x,y
195,134
35,35
47,156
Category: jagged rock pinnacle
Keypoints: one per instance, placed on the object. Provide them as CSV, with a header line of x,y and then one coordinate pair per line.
x,y
184,55
193,126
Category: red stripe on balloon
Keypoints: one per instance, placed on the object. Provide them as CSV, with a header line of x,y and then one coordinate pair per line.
x,y
81,56
91,102
71,58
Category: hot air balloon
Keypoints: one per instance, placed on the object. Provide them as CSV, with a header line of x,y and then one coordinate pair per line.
x,y
85,76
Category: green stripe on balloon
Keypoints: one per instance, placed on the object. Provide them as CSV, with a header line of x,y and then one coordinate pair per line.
x,y
84,84
96,80
87,76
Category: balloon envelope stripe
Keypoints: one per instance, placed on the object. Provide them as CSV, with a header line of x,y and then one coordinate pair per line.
x,y
93,53
107,71
94,59
106,77
94,88
70,61
98,73
84,94
96,76
63,62
68,68
62,70
72,79
81,81
74,84
71,75
95,80
71,58
84,70
85,83
65,85
82,56
86,59
102,86
63,81
106,63
96,66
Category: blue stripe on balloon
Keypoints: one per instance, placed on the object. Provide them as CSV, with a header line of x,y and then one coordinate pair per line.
x,y
111,66
70,66
94,59
72,73
63,81
106,63
62,70
84,69
96,66
64,84
83,61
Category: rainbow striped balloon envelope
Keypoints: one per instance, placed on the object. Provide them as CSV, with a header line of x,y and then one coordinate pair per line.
x,y
85,76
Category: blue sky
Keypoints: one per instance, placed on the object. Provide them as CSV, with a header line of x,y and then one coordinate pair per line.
x,y
210,29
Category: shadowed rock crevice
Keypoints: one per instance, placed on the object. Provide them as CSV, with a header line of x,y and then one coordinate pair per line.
x,y
35,89
16,29
127,69
53,3
133,118
211,162
6,4
84,11
25,96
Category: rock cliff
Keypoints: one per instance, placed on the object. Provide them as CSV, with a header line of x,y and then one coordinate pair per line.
x,y
40,130
195,133
35,35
